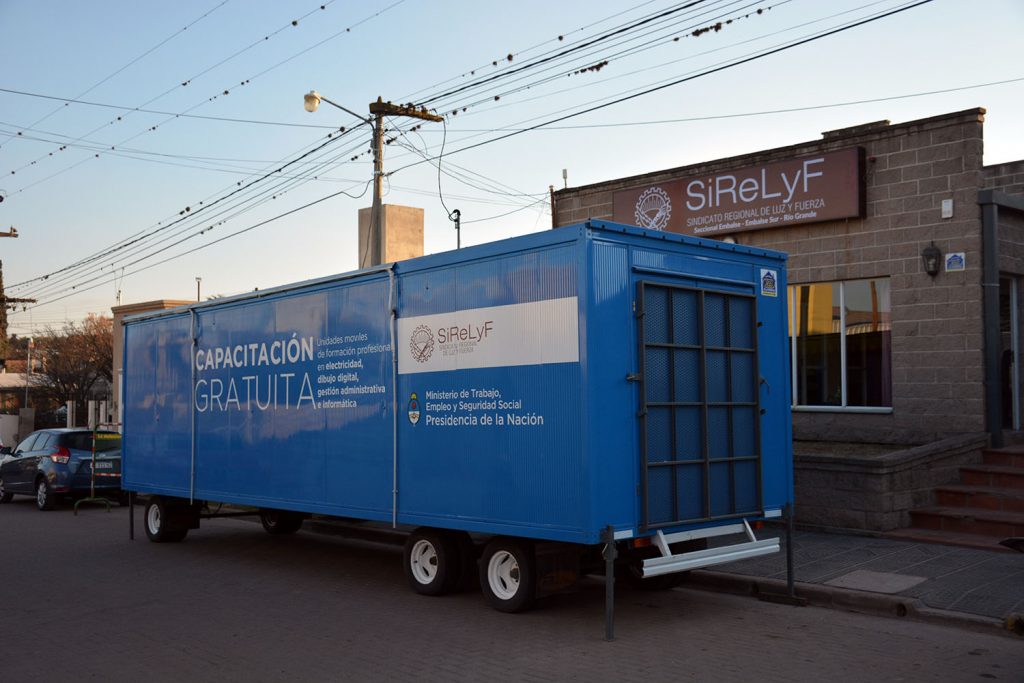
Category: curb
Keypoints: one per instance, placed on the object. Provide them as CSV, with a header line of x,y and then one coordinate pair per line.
x,y
819,595
877,604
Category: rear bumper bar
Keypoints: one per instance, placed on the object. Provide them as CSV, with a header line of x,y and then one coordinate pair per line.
x,y
669,563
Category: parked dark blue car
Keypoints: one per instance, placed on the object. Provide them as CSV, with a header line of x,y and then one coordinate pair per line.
x,y
55,462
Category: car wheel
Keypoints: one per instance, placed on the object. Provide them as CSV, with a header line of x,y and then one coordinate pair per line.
x,y
5,495
45,500
432,561
159,523
508,575
280,522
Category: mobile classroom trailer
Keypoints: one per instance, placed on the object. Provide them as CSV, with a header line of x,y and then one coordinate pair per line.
x,y
521,406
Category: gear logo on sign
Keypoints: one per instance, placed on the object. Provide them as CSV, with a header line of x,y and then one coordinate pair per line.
x,y
653,209
421,343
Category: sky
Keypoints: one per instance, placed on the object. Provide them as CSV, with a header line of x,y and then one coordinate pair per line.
x,y
144,145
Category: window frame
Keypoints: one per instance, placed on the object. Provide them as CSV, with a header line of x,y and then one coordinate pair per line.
x,y
791,304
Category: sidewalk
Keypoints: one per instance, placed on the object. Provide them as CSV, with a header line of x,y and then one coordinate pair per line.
x,y
974,588
885,576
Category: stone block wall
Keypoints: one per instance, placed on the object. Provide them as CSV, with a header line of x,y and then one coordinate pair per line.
x,y
877,493
937,361
1008,177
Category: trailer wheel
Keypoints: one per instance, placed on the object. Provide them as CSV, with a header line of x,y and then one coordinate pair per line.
x,y
432,561
508,574
280,522
159,522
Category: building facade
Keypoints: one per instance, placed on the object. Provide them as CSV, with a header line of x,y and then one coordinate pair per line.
x,y
899,333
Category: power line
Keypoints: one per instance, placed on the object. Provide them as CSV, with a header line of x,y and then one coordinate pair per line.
x,y
685,79
217,241
173,116
622,99
143,110
544,60
239,208
130,63
207,206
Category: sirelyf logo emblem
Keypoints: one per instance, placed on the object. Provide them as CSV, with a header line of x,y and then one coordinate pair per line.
x,y
653,209
421,343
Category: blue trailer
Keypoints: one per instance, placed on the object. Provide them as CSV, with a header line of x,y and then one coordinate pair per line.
x,y
521,406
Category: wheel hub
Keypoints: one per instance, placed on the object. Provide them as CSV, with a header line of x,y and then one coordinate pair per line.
x,y
503,575
153,519
423,561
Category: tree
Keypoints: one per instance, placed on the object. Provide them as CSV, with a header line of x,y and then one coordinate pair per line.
x,y
98,338
74,358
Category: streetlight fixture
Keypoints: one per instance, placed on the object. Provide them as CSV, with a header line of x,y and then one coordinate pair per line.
x,y
379,109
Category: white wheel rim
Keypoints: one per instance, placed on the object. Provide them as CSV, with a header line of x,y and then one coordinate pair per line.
x,y
41,493
423,562
503,575
153,519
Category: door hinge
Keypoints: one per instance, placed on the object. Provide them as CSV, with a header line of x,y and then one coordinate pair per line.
x,y
633,377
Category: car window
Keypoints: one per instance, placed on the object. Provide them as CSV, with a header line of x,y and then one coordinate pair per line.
x,y
26,445
44,441
82,441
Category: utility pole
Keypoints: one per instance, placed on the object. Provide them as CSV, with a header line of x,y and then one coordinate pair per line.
x,y
380,109
8,301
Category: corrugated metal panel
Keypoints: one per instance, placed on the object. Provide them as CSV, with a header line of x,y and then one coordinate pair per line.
x,y
510,450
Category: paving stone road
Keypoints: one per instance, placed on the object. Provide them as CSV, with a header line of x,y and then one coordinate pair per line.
x,y
231,603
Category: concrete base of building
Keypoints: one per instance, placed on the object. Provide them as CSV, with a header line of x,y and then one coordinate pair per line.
x,y
847,486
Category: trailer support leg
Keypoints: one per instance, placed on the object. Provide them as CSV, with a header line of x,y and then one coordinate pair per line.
x,y
789,597
610,553
790,579
131,515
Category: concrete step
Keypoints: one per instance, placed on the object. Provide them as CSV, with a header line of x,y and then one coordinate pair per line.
x,y
998,476
962,540
984,497
993,523
1012,456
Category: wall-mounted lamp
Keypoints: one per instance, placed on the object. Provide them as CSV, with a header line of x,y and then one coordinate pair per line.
x,y
932,256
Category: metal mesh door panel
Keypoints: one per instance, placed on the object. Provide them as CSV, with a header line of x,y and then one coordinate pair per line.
x,y
699,404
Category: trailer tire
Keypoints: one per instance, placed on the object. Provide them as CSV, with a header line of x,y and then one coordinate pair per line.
x,y
280,522
159,520
432,561
508,574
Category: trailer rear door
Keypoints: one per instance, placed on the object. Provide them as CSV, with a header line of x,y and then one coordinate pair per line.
x,y
699,410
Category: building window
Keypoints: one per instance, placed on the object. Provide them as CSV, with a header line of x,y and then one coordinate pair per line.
x,y
840,337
